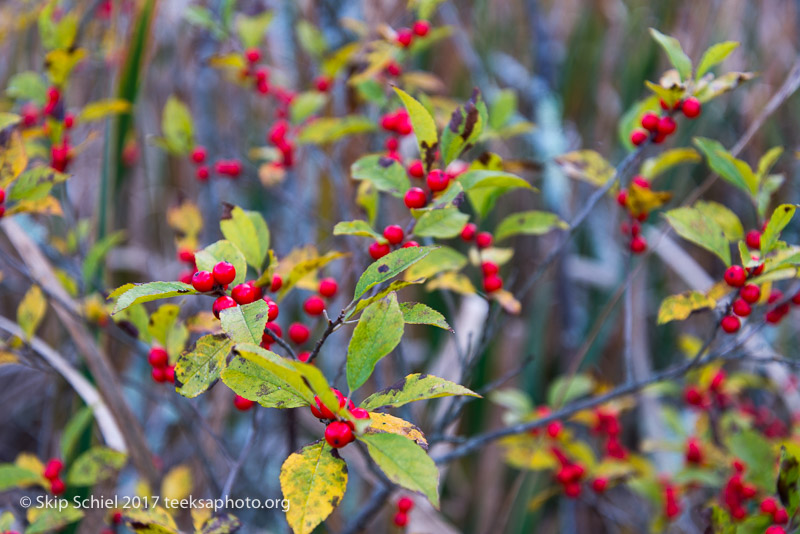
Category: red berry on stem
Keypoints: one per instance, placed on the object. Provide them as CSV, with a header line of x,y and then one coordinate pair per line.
x,y
437,180
338,434
489,268
753,239
410,244
57,487
53,469
638,244
314,305
492,283
242,404
394,234
780,516
622,197
640,181
750,293
775,529
600,485
421,28
158,357
276,283
273,310
415,198
303,356
253,55
768,505
638,137
666,125
169,372
469,231
735,276
404,37
322,83
202,173
378,250
691,107
731,324
69,121
224,273
2,195
484,239
244,293
159,374
392,144
299,333
400,519
650,121
416,169
405,504
328,287
222,303
199,154
741,307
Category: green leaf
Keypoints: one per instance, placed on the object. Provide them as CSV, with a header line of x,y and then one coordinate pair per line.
x,y
198,370
769,185
715,55
756,452
329,129
465,126
311,38
389,266
35,183
318,384
384,173
726,218
529,223
378,332
675,53
360,228
101,109
733,170
257,377
135,293
74,430
13,476
284,375
8,119
788,477
418,313
177,126
222,250
439,260
569,387
95,465
503,108
313,480
424,127
766,162
54,519
245,324
252,29
306,104
477,179
781,216
441,223
404,463
248,231
6,521
679,307
693,225
28,85
397,285
31,310
652,167
414,388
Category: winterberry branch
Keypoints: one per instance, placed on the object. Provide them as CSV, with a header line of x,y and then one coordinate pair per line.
x,y
248,445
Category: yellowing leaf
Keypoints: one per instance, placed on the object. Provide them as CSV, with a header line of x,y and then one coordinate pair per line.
x,y
652,167
186,219
528,452
102,108
305,268
383,422
679,307
199,369
424,127
507,300
453,281
313,480
249,232
13,159
59,63
644,200
586,165
31,311
177,483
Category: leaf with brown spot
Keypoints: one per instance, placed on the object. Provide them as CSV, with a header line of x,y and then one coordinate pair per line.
x,y
313,480
383,422
199,369
465,126
415,387
389,266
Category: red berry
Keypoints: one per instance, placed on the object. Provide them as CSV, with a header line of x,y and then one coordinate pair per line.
x,y
415,198
400,519
410,244
314,305
769,506
53,469
299,333
273,310
600,485
222,303
718,381
57,487
159,374
269,329
775,529
437,180
469,231
638,137
186,277
750,293
622,198
573,489
242,404
753,239
69,121
421,28
405,504
393,69
638,244
693,396
158,357
392,144
394,234
169,372
321,411
691,107
244,293
276,284
378,250
796,299
741,307
640,181
404,37
303,356
650,121
202,173
416,169
489,268
322,83
328,287
278,132
731,324
338,434
694,454
492,283
735,276
199,154
224,273
484,239
253,55
2,195
666,125
116,517
780,516
203,281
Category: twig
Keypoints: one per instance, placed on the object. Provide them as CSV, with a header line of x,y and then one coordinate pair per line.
x,y
234,473
332,325
375,502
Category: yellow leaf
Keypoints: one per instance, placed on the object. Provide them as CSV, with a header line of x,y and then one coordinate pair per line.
x,y
102,108
59,63
177,483
31,311
453,281
679,307
524,451
200,516
586,165
383,422
48,205
13,159
149,521
509,303
203,322
30,462
7,357
187,221
644,200
313,480
228,61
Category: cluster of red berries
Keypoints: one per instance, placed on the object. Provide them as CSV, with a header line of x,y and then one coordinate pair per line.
x,y
779,515
553,429
315,304
715,395
672,507
398,122
231,168
405,36
404,505
242,404
765,420
52,472
658,127
338,433
736,492
259,75
490,271
277,136
298,333
607,424
394,236
186,256
162,371
632,227
570,474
